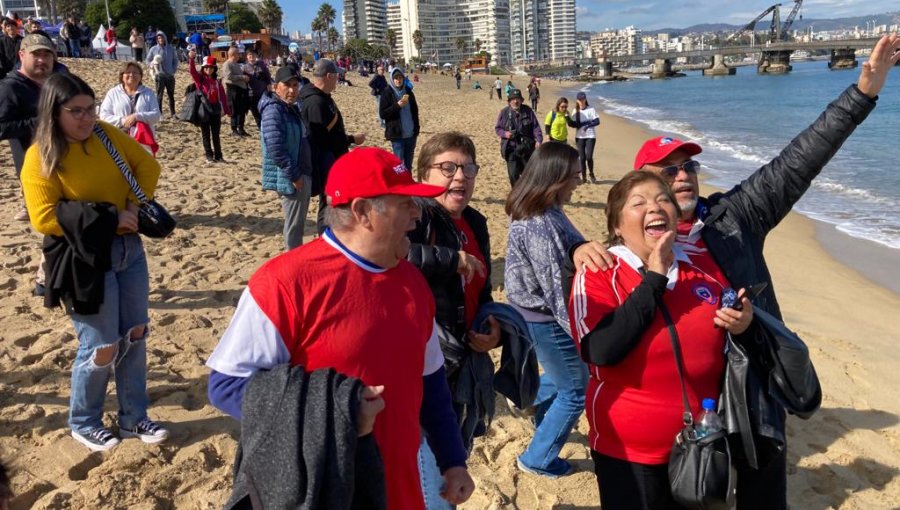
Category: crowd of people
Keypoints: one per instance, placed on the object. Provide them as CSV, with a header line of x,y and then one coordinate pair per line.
x,y
378,331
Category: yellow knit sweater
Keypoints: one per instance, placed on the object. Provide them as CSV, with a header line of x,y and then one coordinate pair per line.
x,y
87,173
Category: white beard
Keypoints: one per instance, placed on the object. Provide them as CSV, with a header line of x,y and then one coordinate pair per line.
x,y
688,206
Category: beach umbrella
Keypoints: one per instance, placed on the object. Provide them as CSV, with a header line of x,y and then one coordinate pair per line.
x,y
448,64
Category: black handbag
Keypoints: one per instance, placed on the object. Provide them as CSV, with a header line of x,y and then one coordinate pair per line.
x,y
153,219
701,473
191,106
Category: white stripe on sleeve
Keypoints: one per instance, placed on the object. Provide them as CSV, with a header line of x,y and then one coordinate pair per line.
x,y
434,357
251,342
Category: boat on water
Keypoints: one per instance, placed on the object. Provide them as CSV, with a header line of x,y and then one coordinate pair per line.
x,y
801,56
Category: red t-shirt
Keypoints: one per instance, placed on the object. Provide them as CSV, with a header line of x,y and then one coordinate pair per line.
x,y
634,407
473,288
328,318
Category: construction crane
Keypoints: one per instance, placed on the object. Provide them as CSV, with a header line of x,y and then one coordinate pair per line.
x,y
777,30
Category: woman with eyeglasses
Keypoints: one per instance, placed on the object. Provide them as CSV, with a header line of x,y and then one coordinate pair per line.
x,y
452,248
78,198
540,235
132,107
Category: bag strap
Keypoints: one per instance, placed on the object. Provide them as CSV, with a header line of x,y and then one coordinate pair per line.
x,y
123,167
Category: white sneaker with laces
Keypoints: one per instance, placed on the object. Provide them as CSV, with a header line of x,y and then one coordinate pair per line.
x,y
147,431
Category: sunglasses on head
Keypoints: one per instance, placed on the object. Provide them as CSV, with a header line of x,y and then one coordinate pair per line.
x,y
690,166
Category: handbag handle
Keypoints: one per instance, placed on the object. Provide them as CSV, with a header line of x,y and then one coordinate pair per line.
x,y
687,417
123,167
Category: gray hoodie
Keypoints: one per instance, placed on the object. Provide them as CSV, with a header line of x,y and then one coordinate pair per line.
x,y
169,57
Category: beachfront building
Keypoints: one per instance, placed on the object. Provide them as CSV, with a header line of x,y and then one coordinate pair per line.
x,y
364,19
542,30
24,8
627,41
443,22
394,22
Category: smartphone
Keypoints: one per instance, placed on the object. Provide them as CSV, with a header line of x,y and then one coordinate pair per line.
x,y
730,296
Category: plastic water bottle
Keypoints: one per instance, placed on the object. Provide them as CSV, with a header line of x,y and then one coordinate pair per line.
x,y
709,421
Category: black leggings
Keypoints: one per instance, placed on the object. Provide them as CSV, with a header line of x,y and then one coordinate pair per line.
x,y
631,486
210,131
586,155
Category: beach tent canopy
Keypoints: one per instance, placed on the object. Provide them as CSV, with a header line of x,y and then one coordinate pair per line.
x,y
99,42
448,64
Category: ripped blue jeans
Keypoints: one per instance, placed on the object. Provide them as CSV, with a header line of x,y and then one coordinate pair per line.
x,y
125,306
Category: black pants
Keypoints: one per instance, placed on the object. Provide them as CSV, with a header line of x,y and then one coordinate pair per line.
x,y
167,83
765,487
630,486
238,98
499,94
254,109
534,103
514,167
138,54
320,217
212,130
586,155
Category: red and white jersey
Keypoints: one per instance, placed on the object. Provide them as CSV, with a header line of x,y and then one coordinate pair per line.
x,y
634,407
322,306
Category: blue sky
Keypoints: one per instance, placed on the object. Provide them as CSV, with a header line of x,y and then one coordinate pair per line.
x,y
648,14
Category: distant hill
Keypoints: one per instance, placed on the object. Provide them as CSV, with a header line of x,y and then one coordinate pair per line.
x,y
889,18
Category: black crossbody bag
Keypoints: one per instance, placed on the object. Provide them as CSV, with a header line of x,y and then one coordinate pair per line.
x,y
701,473
153,219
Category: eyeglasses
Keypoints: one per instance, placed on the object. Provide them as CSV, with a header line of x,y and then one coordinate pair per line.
x,y
133,73
690,166
80,113
449,168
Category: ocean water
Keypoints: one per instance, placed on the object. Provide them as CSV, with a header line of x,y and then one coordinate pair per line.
x,y
743,121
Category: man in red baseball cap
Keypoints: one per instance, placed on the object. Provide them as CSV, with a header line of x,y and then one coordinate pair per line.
x,y
349,300
732,228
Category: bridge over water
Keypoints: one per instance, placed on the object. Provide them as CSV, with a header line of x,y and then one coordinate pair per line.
x,y
774,58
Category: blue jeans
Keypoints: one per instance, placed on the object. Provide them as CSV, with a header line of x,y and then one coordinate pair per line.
x,y
378,110
560,399
404,149
431,479
125,303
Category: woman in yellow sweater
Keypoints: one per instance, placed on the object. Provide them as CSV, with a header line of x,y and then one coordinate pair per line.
x,y
68,164
557,120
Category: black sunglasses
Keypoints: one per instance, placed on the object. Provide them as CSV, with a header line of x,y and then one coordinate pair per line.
x,y
449,168
690,166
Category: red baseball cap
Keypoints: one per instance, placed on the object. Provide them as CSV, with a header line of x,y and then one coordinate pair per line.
x,y
659,148
369,172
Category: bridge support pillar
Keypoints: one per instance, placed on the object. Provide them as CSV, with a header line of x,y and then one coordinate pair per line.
x,y
662,68
719,68
842,58
775,62
605,68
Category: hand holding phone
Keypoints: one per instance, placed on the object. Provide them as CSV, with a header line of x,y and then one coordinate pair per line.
x,y
732,299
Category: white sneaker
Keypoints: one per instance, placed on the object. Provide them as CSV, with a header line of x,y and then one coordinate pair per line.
x,y
147,431
98,440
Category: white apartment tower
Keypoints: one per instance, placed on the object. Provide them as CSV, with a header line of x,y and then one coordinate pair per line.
x,y
542,30
627,41
364,19
443,22
394,22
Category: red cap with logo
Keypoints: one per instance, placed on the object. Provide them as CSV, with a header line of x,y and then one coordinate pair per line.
x,y
659,148
369,172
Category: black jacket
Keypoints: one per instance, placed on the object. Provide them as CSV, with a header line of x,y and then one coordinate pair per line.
x,y
9,53
378,83
434,249
77,262
390,113
298,445
18,112
319,110
737,222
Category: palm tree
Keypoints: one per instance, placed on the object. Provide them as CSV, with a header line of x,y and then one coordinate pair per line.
x,y
478,44
327,13
461,45
319,26
271,15
390,37
418,41
216,6
333,37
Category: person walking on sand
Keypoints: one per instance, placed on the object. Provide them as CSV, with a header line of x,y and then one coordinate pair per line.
x,y
733,227
112,43
136,38
534,94
260,82
498,86
165,80
77,195
378,83
557,121
400,112
208,83
585,120
520,134
237,89
327,136
350,301
286,161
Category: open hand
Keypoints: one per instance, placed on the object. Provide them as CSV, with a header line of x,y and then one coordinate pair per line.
x,y
469,265
592,255
662,257
874,72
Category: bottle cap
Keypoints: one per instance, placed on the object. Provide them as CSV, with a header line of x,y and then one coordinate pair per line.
x,y
709,404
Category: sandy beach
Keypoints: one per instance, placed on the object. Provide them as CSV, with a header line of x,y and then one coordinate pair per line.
x,y
847,456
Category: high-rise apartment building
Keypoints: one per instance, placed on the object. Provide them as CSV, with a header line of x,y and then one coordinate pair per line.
x,y
394,22
364,19
627,41
542,30
443,23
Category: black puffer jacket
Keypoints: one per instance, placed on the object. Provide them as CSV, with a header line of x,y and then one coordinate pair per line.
x,y
435,251
390,112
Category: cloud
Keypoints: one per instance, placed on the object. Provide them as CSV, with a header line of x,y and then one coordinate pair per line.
x,y
637,10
